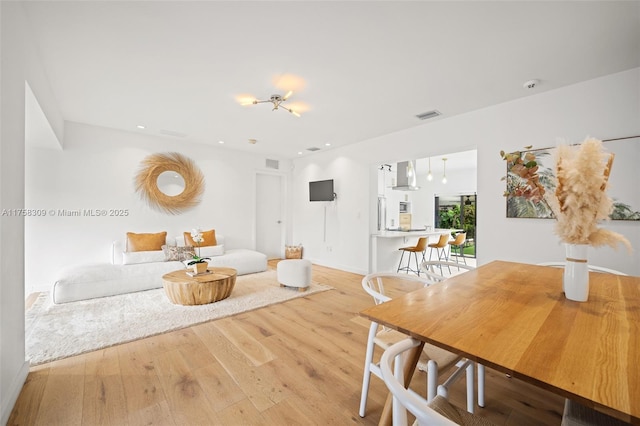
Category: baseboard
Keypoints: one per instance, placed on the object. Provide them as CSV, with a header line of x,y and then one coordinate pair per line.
x,y
338,266
13,393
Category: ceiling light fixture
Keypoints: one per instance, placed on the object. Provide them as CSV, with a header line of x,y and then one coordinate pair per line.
x,y
276,100
140,126
429,176
444,170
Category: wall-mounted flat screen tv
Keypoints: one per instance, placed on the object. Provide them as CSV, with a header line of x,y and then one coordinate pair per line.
x,y
321,190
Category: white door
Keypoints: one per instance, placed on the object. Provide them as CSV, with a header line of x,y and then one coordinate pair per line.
x,y
269,226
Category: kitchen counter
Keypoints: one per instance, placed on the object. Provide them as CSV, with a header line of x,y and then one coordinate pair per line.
x,y
384,245
413,232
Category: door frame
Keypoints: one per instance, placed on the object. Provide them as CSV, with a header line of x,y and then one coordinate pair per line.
x,y
283,207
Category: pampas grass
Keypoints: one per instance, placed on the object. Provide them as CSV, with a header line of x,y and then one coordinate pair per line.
x,y
146,182
580,200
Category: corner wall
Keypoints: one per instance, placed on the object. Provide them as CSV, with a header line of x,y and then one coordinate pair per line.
x,y
19,64
606,107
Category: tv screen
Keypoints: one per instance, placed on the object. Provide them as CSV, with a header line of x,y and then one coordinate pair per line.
x,y
321,190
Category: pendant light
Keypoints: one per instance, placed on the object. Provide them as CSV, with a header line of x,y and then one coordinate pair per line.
x,y
429,176
444,170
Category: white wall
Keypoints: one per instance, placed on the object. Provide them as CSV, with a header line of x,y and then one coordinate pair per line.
x,y
606,107
19,65
96,170
323,227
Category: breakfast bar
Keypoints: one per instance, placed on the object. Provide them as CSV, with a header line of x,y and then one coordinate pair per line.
x,y
384,245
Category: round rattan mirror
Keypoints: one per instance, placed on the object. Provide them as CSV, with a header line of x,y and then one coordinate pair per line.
x,y
151,182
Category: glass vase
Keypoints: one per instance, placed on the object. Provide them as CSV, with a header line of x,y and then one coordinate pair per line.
x,y
575,281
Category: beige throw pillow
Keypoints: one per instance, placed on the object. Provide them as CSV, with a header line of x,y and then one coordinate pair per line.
x,y
145,242
209,239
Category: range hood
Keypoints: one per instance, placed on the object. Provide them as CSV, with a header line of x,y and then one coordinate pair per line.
x,y
406,177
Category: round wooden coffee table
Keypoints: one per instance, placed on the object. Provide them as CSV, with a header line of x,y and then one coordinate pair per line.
x,y
182,289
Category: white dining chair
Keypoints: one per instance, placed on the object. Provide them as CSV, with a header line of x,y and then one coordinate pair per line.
x,y
434,361
593,268
428,270
438,411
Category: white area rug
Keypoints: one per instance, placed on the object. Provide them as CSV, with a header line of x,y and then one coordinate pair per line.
x,y
59,331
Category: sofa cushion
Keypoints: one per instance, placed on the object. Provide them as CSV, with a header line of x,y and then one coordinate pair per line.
x,y
208,236
133,257
99,280
145,242
211,251
175,253
180,240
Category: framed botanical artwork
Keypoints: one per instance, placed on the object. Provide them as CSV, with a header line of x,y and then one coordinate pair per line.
x,y
530,174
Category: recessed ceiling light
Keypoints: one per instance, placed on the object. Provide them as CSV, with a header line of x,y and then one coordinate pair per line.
x,y
220,142
140,126
252,141
327,144
299,152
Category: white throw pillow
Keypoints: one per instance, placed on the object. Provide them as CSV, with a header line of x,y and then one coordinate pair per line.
x,y
210,251
133,257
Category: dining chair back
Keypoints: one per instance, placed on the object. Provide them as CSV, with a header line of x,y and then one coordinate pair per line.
x,y
593,268
434,360
437,411
429,271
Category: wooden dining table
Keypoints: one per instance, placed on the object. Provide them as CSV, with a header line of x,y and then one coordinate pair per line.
x,y
514,318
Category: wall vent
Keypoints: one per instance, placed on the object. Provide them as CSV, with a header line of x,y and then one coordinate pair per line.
x,y
313,148
272,164
173,133
429,114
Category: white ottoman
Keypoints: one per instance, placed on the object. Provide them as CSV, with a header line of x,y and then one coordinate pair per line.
x,y
294,273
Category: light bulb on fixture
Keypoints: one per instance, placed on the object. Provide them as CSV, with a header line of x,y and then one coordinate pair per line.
x,y
444,170
429,176
275,100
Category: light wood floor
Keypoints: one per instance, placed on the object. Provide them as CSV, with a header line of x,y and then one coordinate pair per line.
x,y
298,362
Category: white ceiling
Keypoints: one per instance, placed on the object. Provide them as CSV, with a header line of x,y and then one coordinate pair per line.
x,y
358,69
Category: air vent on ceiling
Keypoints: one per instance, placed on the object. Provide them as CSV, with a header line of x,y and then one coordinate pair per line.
x,y
429,114
272,164
172,133
313,148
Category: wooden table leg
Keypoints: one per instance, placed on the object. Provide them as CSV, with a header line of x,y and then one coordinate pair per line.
x,y
410,363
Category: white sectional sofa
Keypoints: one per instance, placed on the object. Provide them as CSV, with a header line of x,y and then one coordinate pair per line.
x,y
123,276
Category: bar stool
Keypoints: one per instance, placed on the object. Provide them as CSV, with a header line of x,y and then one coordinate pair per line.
x,y
441,250
458,243
421,247
440,247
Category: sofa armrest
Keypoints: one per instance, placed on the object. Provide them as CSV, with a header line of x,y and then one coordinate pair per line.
x,y
117,247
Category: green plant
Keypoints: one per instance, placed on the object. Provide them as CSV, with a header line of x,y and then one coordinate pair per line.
x,y
198,259
450,217
196,236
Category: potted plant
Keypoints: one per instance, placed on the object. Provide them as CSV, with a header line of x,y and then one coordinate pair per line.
x,y
578,201
198,263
